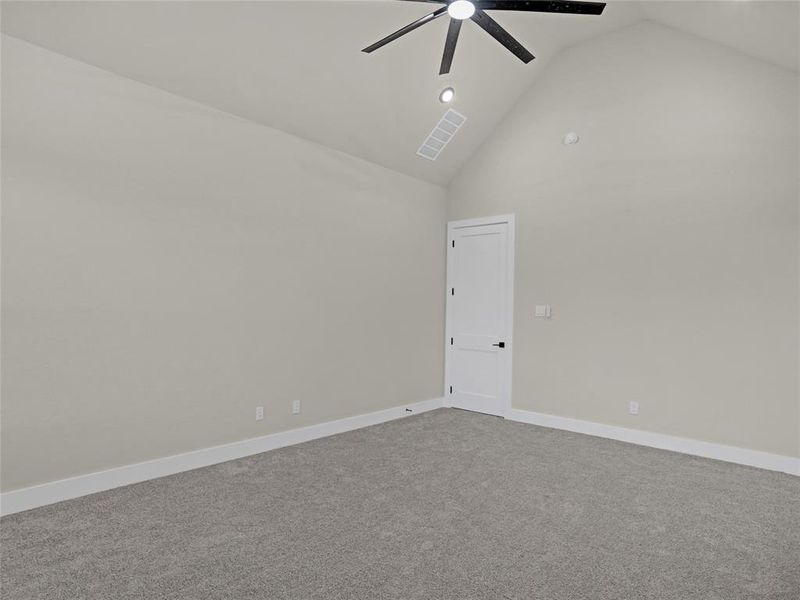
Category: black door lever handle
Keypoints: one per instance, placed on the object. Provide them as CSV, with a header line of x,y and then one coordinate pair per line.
x,y
500,344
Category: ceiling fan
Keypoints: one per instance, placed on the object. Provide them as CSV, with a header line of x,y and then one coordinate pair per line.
x,y
459,10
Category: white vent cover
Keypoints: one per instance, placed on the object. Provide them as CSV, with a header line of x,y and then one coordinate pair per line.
x,y
441,135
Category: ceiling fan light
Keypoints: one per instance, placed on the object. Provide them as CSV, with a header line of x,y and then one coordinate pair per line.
x,y
461,9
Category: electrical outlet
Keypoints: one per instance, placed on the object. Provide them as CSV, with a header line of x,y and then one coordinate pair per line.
x,y
295,407
633,408
259,413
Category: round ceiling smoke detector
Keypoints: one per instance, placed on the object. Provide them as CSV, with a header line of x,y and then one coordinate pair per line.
x,y
461,9
570,138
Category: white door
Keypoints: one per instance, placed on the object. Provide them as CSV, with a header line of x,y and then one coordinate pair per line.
x,y
480,271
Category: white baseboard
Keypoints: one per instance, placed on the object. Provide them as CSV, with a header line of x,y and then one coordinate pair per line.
x,y
65,489
82,485
742,456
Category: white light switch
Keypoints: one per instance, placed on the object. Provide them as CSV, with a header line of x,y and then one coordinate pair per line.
x,y
542,311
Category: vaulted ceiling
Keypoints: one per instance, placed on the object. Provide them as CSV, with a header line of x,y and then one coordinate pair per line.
x,y
297,65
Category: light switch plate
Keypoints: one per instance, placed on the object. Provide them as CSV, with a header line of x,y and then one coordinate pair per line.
x,y
542,311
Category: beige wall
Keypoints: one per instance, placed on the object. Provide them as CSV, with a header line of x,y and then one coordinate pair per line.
x,y
168,267
666,241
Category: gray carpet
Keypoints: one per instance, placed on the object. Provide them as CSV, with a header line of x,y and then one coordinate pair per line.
x,y
447,504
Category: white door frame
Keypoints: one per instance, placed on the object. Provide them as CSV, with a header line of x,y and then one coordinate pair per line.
x,y
451,226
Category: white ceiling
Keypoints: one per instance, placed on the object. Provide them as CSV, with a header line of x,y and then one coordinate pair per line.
x,y
769,30
297,65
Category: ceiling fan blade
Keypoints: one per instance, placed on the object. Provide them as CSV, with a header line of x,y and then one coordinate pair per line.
x,y
450,46
551,6
493,28
406,29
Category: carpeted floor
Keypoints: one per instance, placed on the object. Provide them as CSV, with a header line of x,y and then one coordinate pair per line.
x,y
447,504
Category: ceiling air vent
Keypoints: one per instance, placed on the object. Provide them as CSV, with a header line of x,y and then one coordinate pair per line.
x,y
441,135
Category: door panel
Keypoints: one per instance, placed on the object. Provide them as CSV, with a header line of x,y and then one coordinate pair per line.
x,y
478,317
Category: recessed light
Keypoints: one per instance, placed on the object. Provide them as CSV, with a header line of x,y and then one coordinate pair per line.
x,y
447,95
461,9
